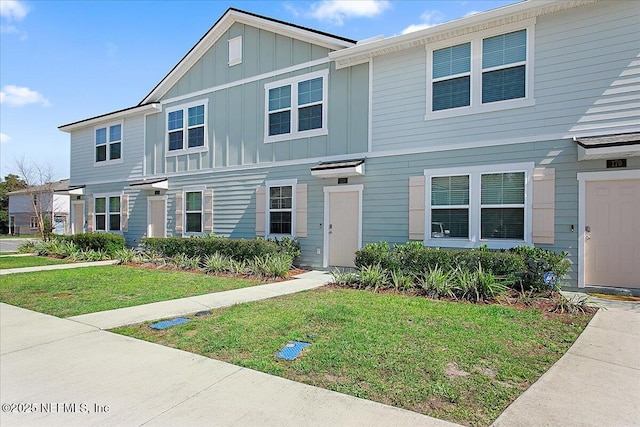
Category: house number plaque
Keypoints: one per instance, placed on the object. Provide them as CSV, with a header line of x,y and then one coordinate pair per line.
x,y
616,163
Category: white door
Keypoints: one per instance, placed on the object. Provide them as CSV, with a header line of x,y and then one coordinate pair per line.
x,y
78,218
612,233
156,214
343,227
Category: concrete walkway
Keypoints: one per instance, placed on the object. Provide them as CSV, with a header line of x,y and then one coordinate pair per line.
x,y
596,383
6,271
160,310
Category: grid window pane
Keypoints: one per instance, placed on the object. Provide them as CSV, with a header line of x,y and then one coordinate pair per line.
x,y
101,153
310,117
310,91
279,98
504,49
280,123
196,137
194,222
452,60
508,83
502,188
175,140
115,133
280,223
100,205
450,190
455,221
101,222
176,120
114,151
452,93
114,222
196,115
101,136
194,201
280,197
502,223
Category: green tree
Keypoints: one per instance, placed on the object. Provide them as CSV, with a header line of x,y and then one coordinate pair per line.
x,y
10,183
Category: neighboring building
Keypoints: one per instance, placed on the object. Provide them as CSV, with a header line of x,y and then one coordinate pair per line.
x,y
515,126
48,200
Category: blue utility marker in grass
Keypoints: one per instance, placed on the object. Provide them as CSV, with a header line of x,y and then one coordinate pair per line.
x,y
292,350
168,323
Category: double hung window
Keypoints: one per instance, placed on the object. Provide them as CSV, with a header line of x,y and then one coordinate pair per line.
x,y
477,74
193,211
107,213
108,141
280,209
296,107
476,205
186,127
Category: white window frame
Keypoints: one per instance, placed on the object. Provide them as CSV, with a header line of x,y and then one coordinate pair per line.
x,y
194,189
476,105
33,223
475,173
107,213
280,183
294,133
235,51
108,143
185,128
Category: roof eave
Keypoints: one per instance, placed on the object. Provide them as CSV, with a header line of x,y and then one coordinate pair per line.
x,y
145,108
470,24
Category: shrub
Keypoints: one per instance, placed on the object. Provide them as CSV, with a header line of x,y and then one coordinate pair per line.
x,y
373,276
537,262
126,255
399,281
27,248
243,250
288,246
271,265
107,243
185,262
344,278
216,263
436,283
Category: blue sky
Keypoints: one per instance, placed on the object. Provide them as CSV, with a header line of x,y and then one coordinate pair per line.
x,y
64,61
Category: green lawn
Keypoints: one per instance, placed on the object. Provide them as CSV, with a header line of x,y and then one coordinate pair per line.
x,y
71,292
456,361
28,261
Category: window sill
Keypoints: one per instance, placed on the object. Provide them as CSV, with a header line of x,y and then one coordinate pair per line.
x,y
108,162
187,151
468,244
297,135
484,108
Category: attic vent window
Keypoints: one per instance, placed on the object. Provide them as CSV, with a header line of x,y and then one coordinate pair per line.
x,y
235,51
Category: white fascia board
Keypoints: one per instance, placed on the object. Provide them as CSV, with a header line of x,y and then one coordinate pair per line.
x,y
343,172
449,30
154,108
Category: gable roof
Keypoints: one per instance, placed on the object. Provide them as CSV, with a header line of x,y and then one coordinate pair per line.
x,y
230,17
474,23
51,186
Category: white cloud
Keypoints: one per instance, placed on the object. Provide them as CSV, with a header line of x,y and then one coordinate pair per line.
x,y
4,138
13,10
337,11
18,96
428,19
473,12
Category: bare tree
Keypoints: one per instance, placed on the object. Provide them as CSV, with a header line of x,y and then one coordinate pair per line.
x,y
39,178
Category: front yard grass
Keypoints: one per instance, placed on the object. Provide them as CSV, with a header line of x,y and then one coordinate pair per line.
x,y
28,261
456,361
84,290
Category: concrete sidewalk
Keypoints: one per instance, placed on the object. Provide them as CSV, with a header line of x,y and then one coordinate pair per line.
x,y
596,383
71,374
160,310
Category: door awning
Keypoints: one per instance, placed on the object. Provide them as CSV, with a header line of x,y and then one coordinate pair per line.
x,y
608,146
151,184
338,169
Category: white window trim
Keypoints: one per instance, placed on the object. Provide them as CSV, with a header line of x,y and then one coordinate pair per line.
x,y
185,128
235,57
192,189
33,220
293,82
108,161
474,173
280,183
476,105
106,214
